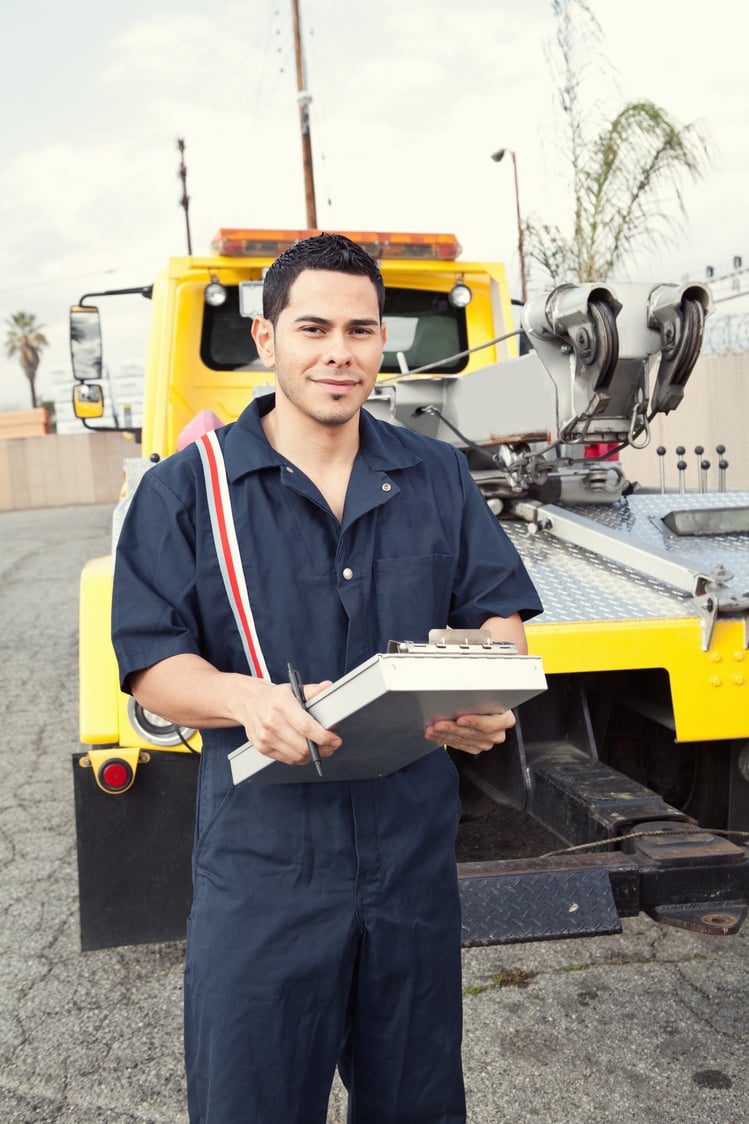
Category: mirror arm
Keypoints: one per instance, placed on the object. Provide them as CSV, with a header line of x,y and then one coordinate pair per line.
x,y
145,291
136,430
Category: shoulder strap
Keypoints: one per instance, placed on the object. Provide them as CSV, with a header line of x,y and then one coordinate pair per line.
x,y
227,550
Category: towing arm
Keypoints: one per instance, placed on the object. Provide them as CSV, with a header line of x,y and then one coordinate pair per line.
x,y
605,360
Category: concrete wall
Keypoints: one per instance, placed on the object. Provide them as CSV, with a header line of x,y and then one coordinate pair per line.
x,y
714,411
24,423
57,471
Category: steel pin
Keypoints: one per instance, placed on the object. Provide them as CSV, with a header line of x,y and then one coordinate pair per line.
x,y
704,469
661,451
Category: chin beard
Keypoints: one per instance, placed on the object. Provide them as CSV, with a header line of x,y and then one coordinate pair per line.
x,y
334,422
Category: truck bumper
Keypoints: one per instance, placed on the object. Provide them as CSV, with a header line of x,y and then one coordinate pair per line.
x,y
135,879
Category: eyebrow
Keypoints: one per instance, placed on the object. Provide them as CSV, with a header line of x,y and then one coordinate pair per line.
x,y
362,322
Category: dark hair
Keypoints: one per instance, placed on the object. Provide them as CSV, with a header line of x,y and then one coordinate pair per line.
x,y
333,252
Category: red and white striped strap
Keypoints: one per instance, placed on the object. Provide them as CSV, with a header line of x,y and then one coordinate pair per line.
x,y
227,550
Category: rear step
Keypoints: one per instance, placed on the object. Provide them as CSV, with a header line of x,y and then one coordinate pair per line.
x,y
657,861
705,890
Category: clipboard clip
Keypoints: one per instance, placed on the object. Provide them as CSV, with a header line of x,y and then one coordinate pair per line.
x,y
452,640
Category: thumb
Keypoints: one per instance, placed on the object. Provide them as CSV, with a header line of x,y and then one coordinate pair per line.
x,y
311,690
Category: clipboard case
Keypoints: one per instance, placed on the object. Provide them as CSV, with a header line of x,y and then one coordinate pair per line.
x,y
380,708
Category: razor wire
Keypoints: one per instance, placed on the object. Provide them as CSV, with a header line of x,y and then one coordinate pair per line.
x,y
726,335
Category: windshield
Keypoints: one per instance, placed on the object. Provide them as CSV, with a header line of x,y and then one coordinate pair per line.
x,y
422,324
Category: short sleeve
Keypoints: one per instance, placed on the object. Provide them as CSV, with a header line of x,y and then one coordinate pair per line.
x,y
154,602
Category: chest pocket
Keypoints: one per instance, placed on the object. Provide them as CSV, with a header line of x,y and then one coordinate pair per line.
x,y
413,594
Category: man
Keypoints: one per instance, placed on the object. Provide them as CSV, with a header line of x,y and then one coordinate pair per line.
x,y
325,924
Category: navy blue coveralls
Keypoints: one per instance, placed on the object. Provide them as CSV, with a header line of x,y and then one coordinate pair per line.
x,y
325,926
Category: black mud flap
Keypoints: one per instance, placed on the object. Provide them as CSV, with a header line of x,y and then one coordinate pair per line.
x,y
134,853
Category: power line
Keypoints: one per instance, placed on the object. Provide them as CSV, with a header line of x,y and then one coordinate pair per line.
x,y
76,277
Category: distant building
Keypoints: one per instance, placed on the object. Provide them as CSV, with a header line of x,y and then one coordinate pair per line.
x,y
123,397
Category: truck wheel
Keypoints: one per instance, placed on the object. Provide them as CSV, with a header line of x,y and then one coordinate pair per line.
x,y
691,776
708,796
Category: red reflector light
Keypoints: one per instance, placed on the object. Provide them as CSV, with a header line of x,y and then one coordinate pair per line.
x,y
232,242
115,775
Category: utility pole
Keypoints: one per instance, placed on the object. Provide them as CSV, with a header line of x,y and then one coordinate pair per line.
x,y
304,98
185,200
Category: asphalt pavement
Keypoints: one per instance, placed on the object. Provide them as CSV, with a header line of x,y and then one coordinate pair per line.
x,y
650,1026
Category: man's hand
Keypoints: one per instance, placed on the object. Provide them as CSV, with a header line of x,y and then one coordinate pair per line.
x,y
279,727
475,733
471,733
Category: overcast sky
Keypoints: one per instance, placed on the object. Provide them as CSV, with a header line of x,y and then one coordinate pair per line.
x,y
410,98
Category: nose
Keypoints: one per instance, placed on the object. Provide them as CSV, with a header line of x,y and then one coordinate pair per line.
x,y
337,350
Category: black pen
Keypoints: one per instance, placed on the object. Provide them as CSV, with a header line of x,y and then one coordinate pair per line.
x,y
296,687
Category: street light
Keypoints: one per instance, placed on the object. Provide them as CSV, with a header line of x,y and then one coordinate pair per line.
x,y
496,157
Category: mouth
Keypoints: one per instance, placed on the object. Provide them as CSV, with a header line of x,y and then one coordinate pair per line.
x,y
337,386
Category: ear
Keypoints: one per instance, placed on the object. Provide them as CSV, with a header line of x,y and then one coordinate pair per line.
x,y
262,334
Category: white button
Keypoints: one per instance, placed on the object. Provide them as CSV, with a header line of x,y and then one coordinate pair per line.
x,y
348,574
289,468
387,487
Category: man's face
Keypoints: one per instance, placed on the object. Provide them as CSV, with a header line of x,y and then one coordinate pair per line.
x,y
326,346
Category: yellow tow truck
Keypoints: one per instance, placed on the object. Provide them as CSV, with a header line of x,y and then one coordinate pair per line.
x,y
637,755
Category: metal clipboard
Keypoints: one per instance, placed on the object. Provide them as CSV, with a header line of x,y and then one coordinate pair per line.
x,y
380,708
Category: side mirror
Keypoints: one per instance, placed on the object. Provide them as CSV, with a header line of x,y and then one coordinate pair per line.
x,y
88,400
85,342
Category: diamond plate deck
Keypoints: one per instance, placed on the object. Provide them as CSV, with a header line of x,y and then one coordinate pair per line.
x,y
537,905
576,584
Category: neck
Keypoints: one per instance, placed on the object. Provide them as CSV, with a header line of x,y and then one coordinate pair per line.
x,y
307,442
324,453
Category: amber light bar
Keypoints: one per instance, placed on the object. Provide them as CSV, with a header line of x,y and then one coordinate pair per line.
x,y
233,243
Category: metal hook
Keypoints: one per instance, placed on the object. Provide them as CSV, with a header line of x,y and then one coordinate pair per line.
x,y
638,411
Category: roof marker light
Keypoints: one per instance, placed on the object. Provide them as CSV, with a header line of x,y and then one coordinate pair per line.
x,y
241,242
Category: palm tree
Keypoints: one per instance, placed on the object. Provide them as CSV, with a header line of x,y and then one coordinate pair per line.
x,y
26,339
622,171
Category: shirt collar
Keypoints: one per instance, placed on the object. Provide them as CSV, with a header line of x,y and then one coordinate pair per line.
x,y
246,448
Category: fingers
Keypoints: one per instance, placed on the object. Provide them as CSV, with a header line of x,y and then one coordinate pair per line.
x,y
312,690
472,733
279,726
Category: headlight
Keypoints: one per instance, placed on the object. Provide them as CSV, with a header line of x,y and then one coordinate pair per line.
x,y
215,293
154,728
460,295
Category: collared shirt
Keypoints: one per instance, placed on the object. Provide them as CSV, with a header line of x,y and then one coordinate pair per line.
x,y
417,549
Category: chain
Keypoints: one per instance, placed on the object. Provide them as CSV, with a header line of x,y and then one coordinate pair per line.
x,y
640,835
